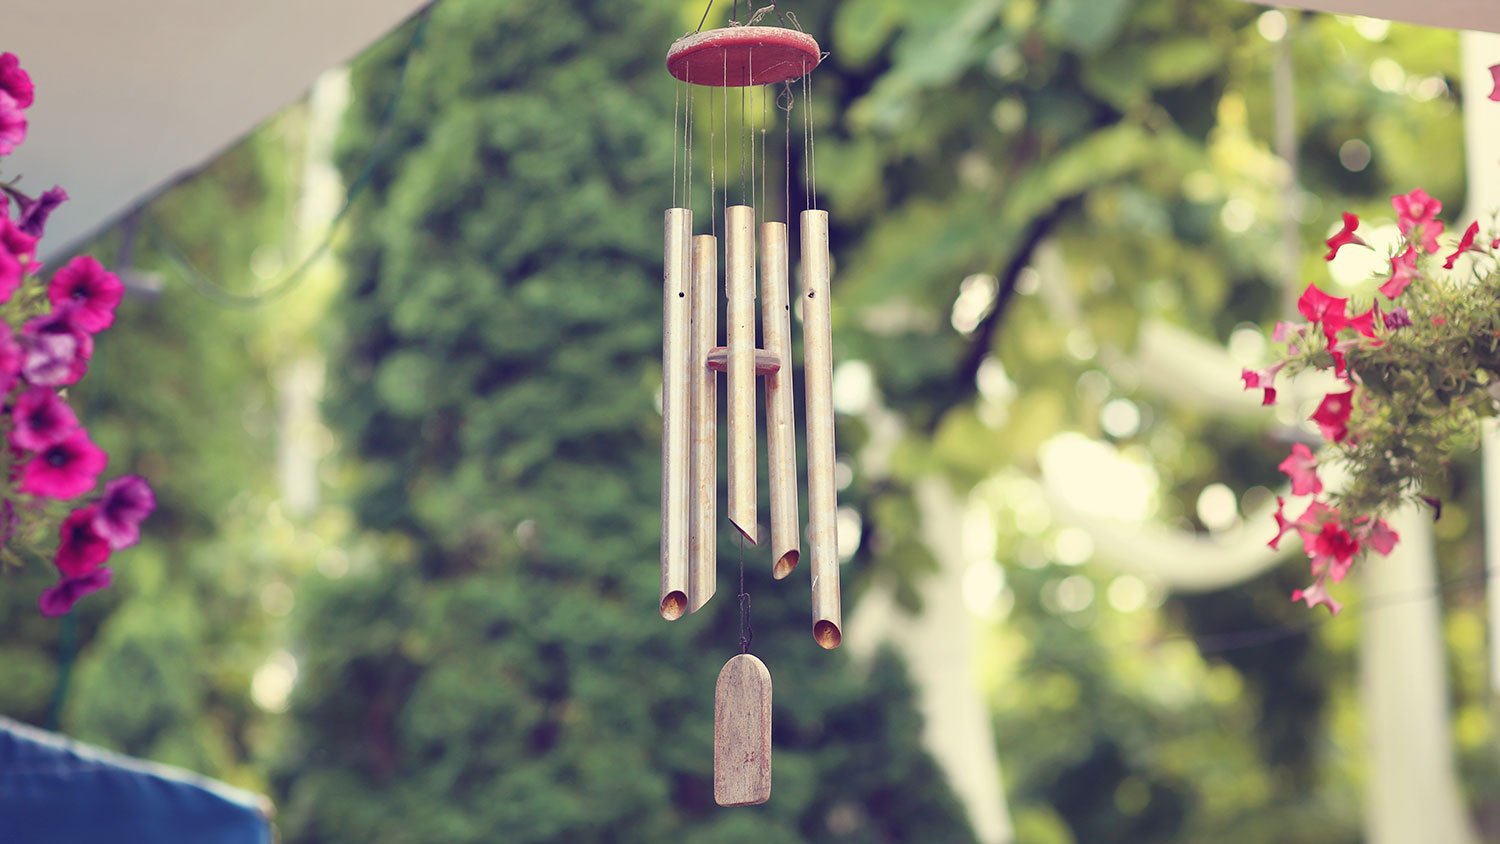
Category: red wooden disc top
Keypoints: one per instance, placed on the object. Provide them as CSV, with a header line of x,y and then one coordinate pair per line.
x,y
737,56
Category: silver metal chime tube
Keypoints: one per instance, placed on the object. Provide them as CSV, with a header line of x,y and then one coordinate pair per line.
x,y
781,437
822,501
739,260
675,412
703,529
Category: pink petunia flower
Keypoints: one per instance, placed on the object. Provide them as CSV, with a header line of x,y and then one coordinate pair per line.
x,y
1464,244
1283,524
34,212
1415,208
10,359
126,503
12,124
55,351
41,418
17,251
65,469
59,599
15,81
80,548
1344,237
1332,415
92,292
1403,272
1264,379
1301,467
1495,72
1380,536
1317,594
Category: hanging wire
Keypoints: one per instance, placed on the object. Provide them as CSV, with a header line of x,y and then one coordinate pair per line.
x,y
785,103
705,16
677,107
747,630
218,293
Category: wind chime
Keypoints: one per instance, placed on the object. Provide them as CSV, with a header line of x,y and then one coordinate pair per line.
x,y
744,62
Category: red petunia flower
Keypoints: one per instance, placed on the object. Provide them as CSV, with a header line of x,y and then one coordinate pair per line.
x,y
89,292
1364,323
1332,415
1345,237
59,599
1317,306
1332,550
1301,467
41,418
81,549
65,469
1403,272
1464,244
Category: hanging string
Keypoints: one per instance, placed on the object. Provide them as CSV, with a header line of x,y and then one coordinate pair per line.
x,y
748,91
705,16
743,192
812,142
747,630
688,140
806,143
726,143
764,122
713,179
785,103
676,139
221,295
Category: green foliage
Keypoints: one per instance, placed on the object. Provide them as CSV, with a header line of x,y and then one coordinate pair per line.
x,y
492,668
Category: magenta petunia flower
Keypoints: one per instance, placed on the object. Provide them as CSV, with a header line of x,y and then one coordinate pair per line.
x,y
17,250
59,599
1301,467
88,291
1397,318
15,81
1345,237
12,124
65,469
80,548
41,418
10,359
34,212
1495,73
126,503
55,352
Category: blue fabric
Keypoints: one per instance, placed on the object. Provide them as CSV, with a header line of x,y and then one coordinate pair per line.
x,y
57,791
